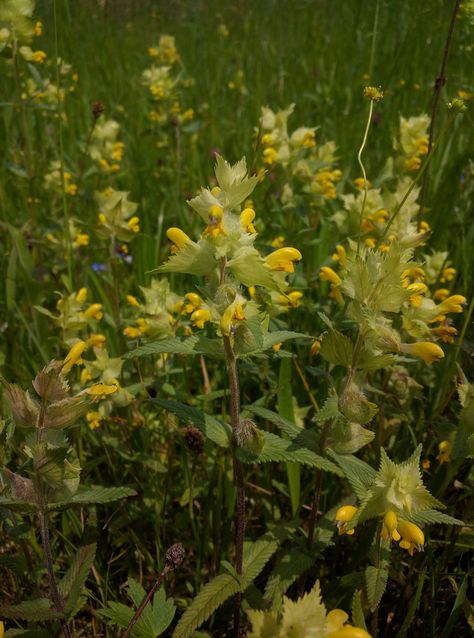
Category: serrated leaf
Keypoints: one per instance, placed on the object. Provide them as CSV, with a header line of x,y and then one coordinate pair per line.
x,y
34,610
168,346
347,438
357,613
375,582
330,408
337,348
432,516
211,596
280,336
93,495
62,414
248,337
286,410
24,411
291,566
17,506
277,449
359,474
305,438
73,581
212,428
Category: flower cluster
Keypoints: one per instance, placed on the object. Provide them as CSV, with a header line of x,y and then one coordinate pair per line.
x,y
105,147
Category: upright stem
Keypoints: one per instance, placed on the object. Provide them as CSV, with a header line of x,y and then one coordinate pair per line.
x,y
439,83
238,471
378,549
146,600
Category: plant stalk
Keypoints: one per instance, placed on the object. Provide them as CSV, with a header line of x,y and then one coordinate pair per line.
x,y
146,600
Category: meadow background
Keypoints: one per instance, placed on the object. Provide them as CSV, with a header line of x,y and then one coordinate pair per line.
x,y
235,58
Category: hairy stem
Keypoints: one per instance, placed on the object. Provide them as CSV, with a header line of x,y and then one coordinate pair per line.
x,y
238,471
146,600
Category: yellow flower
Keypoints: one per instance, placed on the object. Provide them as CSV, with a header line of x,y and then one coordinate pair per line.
x,y
133,224
295,298
336,628
81,295
389,529
361,183
448,274
102,218
101,391
195,301
39,56
143,325
38,33
276,346
328,274
339,255
315,348
132,301
445,448
214,228
178,238
153,52
414,273
73,356
412,536
234,312
267,139
81,239
426,350
278,242
93,419
96,341
71,189
132,333
283,258
85,376
246,218
343,516
269,155
215,191
200,317
445,333
373,93
441,294
413,164
453,303
94,312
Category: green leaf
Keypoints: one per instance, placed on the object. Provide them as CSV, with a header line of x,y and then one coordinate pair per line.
x,y
291,566
330,408
357,613
413,605
211,596
248,337
305,438
337,348
286,410
73,581
432,516
93,495
456,610
280,336
23,252
359,474
212,428
168,346
277,449
347,438
375,582
35,610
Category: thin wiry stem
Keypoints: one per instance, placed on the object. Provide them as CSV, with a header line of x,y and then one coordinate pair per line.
x,y
362,168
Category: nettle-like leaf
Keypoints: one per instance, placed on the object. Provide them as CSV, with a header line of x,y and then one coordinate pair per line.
x,y
92,496
193,259
289,569
49,384
23,409
155,619
223,586
234,181
355,406
33,610
66,412
376,583
346,437
337,348
360,474
250,269
73,581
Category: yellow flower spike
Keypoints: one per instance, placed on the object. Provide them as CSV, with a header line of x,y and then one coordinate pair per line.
x,y
343,516
93,419
178,238
132,301
441,294
269,155
100,391
200,317
85,376
339,255
283,258
426,350
278,242
73,356
132,333
448,274
133,224
81,295
412,536
94,312
445,448
246,218
328,274
215,191
295,298
454,303
96,341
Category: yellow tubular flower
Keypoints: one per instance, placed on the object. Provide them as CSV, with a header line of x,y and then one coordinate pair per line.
x,y
234,312
38,33
81,295
133,224
132,332
448,274
389,529
85,376
361,183
102,219
295,298
453,303
425,350
348,631
283,258
132,301
178,238
269,155
96,341
81,239
94,311
215,191
278,242
101,391
413,164
315,348
441,294
214,228
73,356
143,325
93,419
339,255
195,301
370,242
200,317
414,273
343,515
246,218
328,274
252,292
445,333
445,448
267,139
418,288
276,346
412,536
